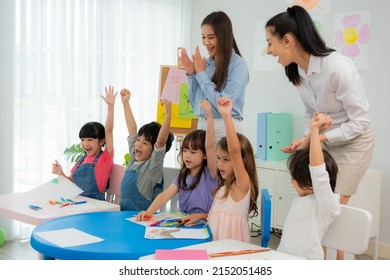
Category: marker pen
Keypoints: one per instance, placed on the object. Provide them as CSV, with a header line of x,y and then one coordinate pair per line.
x,y
35,207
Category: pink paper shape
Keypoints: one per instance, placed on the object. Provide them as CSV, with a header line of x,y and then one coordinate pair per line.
x,y
171,90
182,255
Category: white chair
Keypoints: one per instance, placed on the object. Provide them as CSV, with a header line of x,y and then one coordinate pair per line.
x,y
350,232
170,174
113,192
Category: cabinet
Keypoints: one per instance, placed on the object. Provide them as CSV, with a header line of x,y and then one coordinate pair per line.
x,y
274,176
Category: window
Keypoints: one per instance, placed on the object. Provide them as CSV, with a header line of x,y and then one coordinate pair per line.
x,y
66,52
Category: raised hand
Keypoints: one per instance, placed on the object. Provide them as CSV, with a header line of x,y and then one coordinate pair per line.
x,y
205,104
125,95
110,96
225,105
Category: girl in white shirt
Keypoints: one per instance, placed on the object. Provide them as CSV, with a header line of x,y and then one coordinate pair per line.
x,y
328,82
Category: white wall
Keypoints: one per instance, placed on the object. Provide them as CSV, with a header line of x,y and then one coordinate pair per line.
x,y
6,112
271,91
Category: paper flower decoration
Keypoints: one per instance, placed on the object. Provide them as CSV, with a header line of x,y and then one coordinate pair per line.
x,y
352,35
307,4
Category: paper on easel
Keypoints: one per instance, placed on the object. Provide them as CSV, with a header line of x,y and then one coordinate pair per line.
x,y
57,187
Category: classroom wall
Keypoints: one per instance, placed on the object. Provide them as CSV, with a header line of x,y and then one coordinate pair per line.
x,y
271,91
6,112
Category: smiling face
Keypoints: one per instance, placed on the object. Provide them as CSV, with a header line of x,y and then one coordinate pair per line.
x,y
91,146
209,39
143,149
279,47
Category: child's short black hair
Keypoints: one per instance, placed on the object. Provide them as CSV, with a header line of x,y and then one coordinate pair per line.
x,y
93,130
150,132
298,164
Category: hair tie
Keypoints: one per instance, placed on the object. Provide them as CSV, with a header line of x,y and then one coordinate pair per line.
x,y
291,11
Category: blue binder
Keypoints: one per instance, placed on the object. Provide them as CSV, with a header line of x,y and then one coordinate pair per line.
x,y
261,149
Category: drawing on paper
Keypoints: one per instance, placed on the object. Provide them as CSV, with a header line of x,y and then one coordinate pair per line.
x,y
352,37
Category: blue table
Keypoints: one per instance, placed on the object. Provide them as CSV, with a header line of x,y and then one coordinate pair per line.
x,y
123,240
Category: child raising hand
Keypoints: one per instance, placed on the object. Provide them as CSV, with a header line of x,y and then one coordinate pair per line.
x,y
314,173
237,192
197,177
91,172
143,178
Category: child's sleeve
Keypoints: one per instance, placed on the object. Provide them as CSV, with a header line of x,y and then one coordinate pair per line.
x,y
326,200
103,169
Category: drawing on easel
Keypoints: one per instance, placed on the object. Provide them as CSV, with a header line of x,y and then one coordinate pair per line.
x,y
185,108
174,87
171,89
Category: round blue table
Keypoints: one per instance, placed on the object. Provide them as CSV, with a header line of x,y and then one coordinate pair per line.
x,y
123,239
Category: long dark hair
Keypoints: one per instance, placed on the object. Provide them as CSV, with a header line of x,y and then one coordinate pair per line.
x,y
223,29
195,140
297,21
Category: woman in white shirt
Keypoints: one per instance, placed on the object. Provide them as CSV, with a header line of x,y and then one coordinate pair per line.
x,y
328,82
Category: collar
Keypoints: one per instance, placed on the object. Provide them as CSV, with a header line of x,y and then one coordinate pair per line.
x,y
314,66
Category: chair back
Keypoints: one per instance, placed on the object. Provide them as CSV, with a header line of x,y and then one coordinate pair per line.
x,y
265,217
170,174
113,192
350,232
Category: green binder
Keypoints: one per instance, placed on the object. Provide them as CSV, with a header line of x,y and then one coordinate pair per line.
x,y
279,135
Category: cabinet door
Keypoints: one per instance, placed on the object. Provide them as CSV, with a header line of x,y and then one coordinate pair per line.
x,y
266,179
285,195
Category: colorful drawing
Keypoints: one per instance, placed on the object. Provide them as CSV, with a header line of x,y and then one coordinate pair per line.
x,y
352,37
172,84
354,32
312,6
176,120
185,108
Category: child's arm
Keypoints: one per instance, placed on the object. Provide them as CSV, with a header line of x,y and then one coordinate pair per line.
x,y
326,123
242,178
210,139
159,201
164,130
130,121
316,154
109,127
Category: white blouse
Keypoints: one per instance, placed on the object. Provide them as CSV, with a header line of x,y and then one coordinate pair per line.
x,y
332,86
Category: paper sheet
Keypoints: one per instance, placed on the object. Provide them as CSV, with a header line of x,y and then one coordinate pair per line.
x,y
53,189
68,237
176,233
156,217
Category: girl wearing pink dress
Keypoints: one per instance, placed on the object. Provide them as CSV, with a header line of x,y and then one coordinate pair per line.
x,y
236,195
